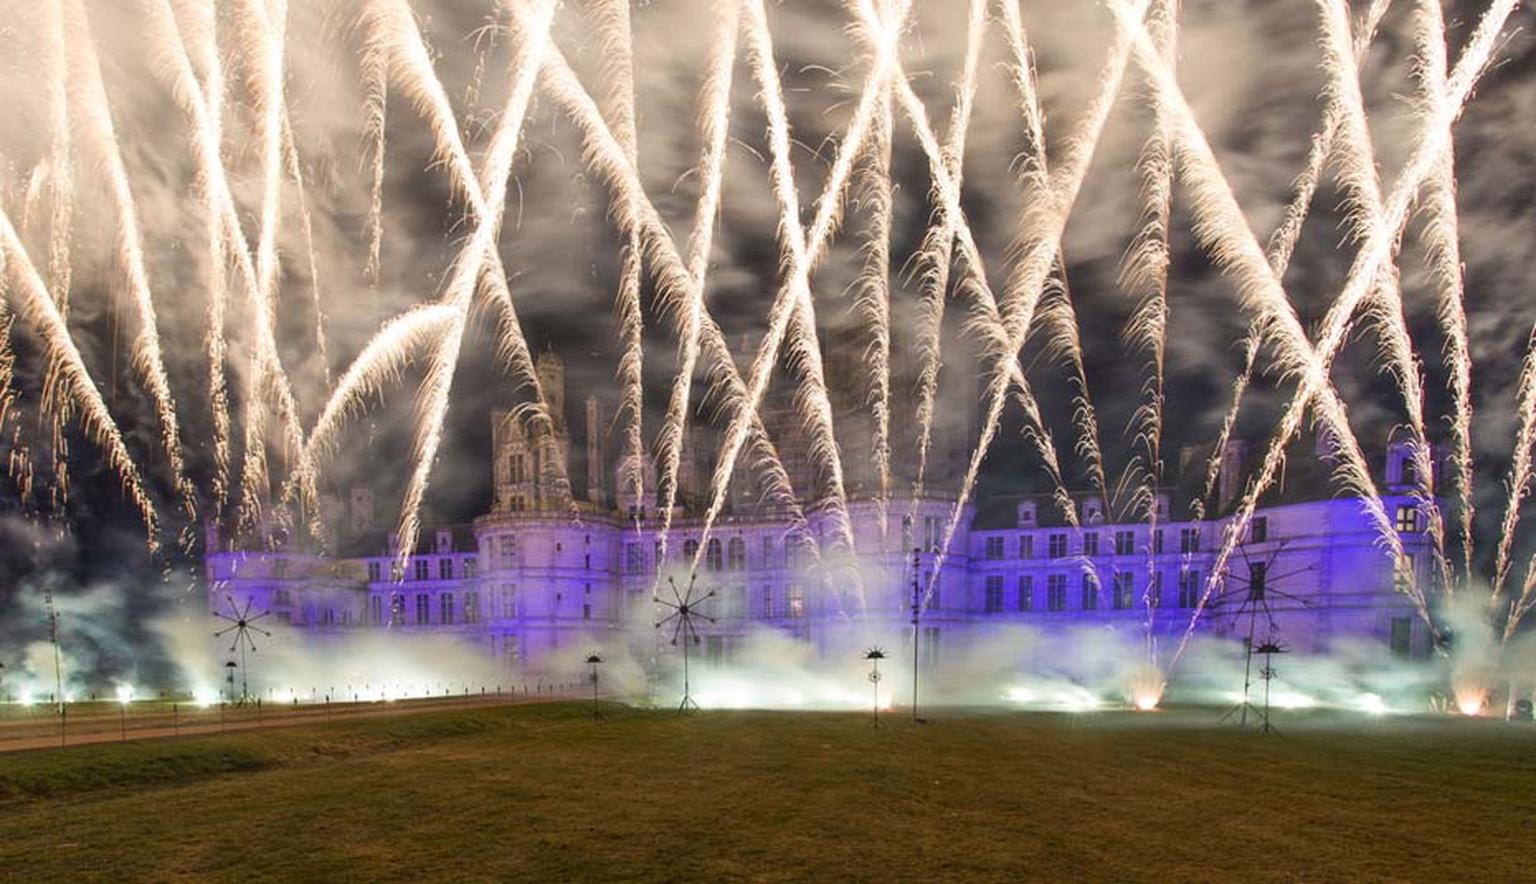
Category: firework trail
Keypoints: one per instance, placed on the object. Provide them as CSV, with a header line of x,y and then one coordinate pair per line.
x,y
375,74
67,378
676,287
1004,335
202,48
100,141
395,39
1363,210
1145,275
306,227
937,250
462,283
1520,471
264,27
616,46
1441,239
714,123
385,356
175,57
1282,242
872,300
791,318
1221,226
61,160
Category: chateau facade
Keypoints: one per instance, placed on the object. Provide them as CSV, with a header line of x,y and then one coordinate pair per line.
x,y
544,576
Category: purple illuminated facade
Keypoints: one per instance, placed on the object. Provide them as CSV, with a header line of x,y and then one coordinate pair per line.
x,y
543,577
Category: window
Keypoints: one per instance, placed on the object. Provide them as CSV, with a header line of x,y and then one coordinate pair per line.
x,y
714,560
586,611
396,609
690,549
1157,542
1189,540
1090,592
1155,590
1091,543
994,548
1258,530
506,548
1125,543
1056,546
1026,546
469,567
994,600
1189,588
374,572
281,597
1409,471
1407,518
1257,572
736,555
932,533
445,569
445,608
768,610
423,609
767,552
376,609
634,558
1056,592
421,569
1026,593
796,601
1125,590
471,607
1402,636
509,600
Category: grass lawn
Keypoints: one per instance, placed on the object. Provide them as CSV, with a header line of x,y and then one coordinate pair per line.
x,y
541,792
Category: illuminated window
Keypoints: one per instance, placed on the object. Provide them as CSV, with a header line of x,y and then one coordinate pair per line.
x,y
1125,543
796,601
1189,540
994,589
1407,518
1189,588
1056,592
1056,546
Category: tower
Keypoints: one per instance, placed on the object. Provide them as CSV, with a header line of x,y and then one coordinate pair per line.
x,y
551,371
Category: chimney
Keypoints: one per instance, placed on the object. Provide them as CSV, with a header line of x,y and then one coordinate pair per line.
x,y
1229,482
594,451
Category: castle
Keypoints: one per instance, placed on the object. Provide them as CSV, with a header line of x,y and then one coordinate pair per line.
x,y
545,574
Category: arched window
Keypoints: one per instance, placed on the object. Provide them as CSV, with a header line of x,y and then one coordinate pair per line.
x,y
736,555
690,549
712,557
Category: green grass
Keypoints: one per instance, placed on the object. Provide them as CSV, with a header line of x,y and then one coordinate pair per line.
x,y
543,793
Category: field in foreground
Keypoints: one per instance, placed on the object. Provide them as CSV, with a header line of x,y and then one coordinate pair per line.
x,y
541,792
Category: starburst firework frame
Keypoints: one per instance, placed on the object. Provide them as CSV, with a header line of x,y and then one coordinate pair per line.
x,y
684,608
242,624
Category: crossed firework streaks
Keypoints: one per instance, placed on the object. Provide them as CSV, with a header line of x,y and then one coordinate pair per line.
x,y
396,55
